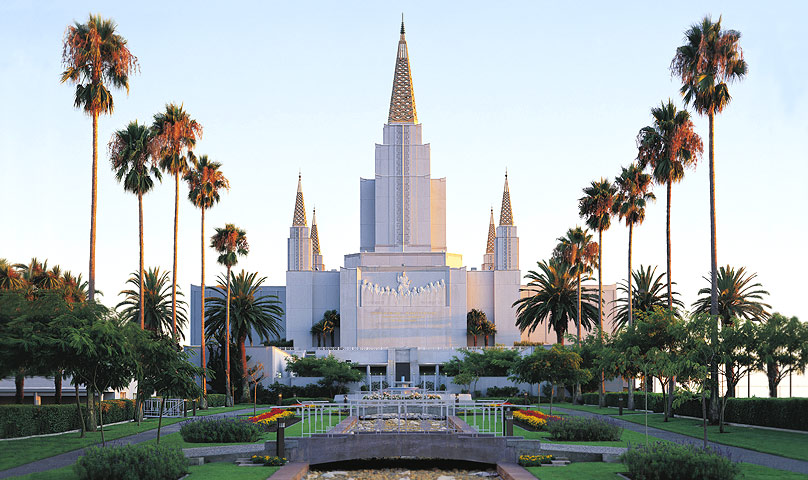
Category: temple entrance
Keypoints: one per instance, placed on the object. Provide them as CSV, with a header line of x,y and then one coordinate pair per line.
x,y
402,372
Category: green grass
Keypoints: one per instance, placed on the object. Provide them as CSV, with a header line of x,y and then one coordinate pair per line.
x,y
64,473
20,452
595,409
609,471
216,471
785,444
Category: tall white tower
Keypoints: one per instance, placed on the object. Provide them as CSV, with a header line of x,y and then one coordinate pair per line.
x,y
507,243
488,258
299,243
316,257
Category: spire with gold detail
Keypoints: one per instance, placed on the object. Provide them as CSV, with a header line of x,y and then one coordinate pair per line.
x,y
402,100
299,219
506,215
492,234
315,239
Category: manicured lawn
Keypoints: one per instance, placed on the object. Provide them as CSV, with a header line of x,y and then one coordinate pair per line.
x,y
217,471
595,409
64,473
20,452
786,444
609,471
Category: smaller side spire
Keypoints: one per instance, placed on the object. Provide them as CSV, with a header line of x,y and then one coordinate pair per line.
x,y
506,214
315,238
299,219
492,234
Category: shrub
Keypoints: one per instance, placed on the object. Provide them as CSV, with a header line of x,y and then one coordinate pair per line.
x,y
581,429
269,395
670,461
132,462
25,420
502,391
220,430
268,461
216,399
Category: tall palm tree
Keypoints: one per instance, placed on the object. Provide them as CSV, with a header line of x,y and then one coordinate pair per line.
x,y
553,298
474,323
245,312
596,208
331,318
488,329
93,57
668,147
205,180
174,133
157,307
649,293
738,297
709,60
319,330
577,249
229,242
129,156
629,205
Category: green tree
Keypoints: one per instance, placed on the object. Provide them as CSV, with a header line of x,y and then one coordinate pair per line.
x,y
245,312
335,374
553,298
474,323
649,294
781,348
95,56
229,242
580,252
174,133
738,297
157,308
629,205
205,180
709,60
556,365
130,159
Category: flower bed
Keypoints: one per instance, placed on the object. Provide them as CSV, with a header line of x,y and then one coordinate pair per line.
x,y
271,417
268,461
533,419
397,396
535,460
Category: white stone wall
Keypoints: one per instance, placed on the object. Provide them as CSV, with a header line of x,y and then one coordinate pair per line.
x,y
367,215
438,214
299,249
308,295
506,248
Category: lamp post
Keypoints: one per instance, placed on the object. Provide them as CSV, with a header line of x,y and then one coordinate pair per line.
x,y
508,424
280,448
280,399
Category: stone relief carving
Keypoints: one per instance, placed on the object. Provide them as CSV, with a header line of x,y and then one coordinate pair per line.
x,y
432,294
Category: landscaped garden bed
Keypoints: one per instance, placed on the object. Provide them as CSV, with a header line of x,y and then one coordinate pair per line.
x,y
533,420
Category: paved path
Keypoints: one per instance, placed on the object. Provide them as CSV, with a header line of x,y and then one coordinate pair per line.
x,y
735,453
69,458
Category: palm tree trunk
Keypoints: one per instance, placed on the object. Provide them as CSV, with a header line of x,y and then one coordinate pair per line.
x,y
714,399
19,388
140,300
174,273
57,386
93,205
242,340
229,395
559,337
630,312
668,236
204,400
602,389
577,394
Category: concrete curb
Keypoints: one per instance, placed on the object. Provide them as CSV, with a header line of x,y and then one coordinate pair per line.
x,y
512,471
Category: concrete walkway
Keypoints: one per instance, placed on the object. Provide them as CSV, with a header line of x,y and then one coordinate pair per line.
x,y
69,458
736,454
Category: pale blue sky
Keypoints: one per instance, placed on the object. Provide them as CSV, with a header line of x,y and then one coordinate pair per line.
x,y
554,93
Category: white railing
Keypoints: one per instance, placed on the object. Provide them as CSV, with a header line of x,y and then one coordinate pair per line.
x,y
174,407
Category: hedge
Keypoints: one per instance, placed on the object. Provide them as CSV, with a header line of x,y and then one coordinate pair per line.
x,y
789,413
216,399
25,420
155,462
669,461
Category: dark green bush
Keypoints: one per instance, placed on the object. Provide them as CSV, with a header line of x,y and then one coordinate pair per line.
x,y
25,420
132,462
269,395
216,399
502,392
220,430
670,461
581,429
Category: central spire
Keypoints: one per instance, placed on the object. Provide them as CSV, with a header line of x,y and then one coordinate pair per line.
x,y
402,100
506,215
299,218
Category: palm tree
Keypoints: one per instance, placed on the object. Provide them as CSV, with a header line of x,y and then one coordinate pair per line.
x,y
596,207
157,307
94,55
229,242
245,312
668,147
632,195
129,156
709,59
174,133
488,329
204,182
553,297
738,297
319,330
578,250
10,277
474,323
331,319
74,288
649,293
